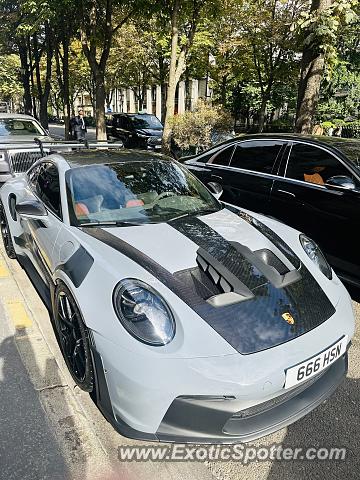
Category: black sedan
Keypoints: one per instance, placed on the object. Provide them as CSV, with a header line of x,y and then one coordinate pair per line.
x,y
312,184
136,130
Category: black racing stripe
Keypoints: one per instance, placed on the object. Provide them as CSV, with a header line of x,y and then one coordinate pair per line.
x,y
78,266
249,326
270,235
221,249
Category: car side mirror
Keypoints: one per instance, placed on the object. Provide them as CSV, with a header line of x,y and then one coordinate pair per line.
x,y
31,208
341,181
216,189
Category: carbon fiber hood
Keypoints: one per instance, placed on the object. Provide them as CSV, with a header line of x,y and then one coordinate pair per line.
x,y
268,315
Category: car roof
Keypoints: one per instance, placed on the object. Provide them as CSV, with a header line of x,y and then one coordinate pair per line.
x,y
132,114
337,144
80,158
293,136
18,116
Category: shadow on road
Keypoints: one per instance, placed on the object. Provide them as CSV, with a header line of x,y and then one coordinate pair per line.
x,y
333,424
28,446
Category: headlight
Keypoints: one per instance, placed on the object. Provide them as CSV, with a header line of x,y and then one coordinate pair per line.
x,y
143,312
315,254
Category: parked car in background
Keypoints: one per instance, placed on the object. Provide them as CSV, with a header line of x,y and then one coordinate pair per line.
x,y
136,130
18,150
312,184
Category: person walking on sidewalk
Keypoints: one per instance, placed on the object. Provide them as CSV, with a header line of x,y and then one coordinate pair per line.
x,y
78,127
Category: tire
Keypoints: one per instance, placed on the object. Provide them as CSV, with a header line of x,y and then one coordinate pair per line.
x,y
5,234
73,338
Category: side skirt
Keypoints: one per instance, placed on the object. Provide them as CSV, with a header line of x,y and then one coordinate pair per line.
x,y
43,289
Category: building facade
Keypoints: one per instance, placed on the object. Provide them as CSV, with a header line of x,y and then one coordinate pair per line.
x,y
126,100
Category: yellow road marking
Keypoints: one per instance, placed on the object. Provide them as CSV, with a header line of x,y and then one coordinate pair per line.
x,y
4,272
18,314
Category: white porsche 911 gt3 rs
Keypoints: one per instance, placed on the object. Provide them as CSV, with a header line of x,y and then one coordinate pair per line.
x,y
188,319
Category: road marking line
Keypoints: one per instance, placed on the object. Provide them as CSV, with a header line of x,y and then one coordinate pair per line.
x,y
4,272
18,314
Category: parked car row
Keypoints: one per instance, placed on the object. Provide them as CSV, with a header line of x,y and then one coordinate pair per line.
x,y
188,319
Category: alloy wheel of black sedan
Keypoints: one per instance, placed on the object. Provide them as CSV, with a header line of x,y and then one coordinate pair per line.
x,y
73,339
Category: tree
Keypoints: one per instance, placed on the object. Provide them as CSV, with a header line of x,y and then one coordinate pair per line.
x,y
130,63
10,85
184,18
320,27
99,23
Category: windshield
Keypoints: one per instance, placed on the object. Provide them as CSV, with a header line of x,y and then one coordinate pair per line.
x,y
147,121
137,192
13,127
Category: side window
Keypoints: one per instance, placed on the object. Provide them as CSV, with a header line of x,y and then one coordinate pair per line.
x,y
223,157
257,155
313,165
48,187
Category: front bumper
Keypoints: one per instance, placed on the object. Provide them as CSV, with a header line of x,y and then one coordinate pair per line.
x,y
213,421
205,419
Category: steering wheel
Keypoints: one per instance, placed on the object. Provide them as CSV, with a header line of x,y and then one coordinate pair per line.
x,y
164,195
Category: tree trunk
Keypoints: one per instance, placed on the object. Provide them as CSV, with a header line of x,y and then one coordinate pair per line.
x,y
312,70
32,81
171,89
43,91
223,90
25,76
100,99
67,106
262,113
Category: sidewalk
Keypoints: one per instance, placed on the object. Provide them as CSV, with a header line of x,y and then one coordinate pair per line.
x,y
60,433
43,433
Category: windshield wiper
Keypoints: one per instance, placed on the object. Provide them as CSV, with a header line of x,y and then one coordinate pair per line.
x,y
112,223
205,211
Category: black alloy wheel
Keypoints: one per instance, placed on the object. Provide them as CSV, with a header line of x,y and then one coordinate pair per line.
x,y
5,234
73,338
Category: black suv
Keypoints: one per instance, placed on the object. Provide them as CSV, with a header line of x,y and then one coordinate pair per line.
x,y
136,130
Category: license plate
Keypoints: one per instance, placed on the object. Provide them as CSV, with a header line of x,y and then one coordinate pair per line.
x,y
157,147
305,370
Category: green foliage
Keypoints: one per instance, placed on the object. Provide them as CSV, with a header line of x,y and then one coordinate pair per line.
x,y
10,85
196,128
320,29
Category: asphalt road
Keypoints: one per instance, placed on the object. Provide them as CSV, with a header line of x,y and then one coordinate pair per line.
x,y
58,130
50,429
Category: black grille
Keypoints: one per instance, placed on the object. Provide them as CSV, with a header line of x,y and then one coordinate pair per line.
x,y
21,161
263,407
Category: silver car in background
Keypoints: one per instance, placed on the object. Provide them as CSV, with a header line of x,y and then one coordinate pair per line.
x,y
18,150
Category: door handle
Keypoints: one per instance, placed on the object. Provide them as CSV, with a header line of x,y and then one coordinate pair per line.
x,y
289,194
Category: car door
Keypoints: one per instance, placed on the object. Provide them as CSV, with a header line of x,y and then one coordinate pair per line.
x,y
45,230
330,215
210,167
120,129
248,179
